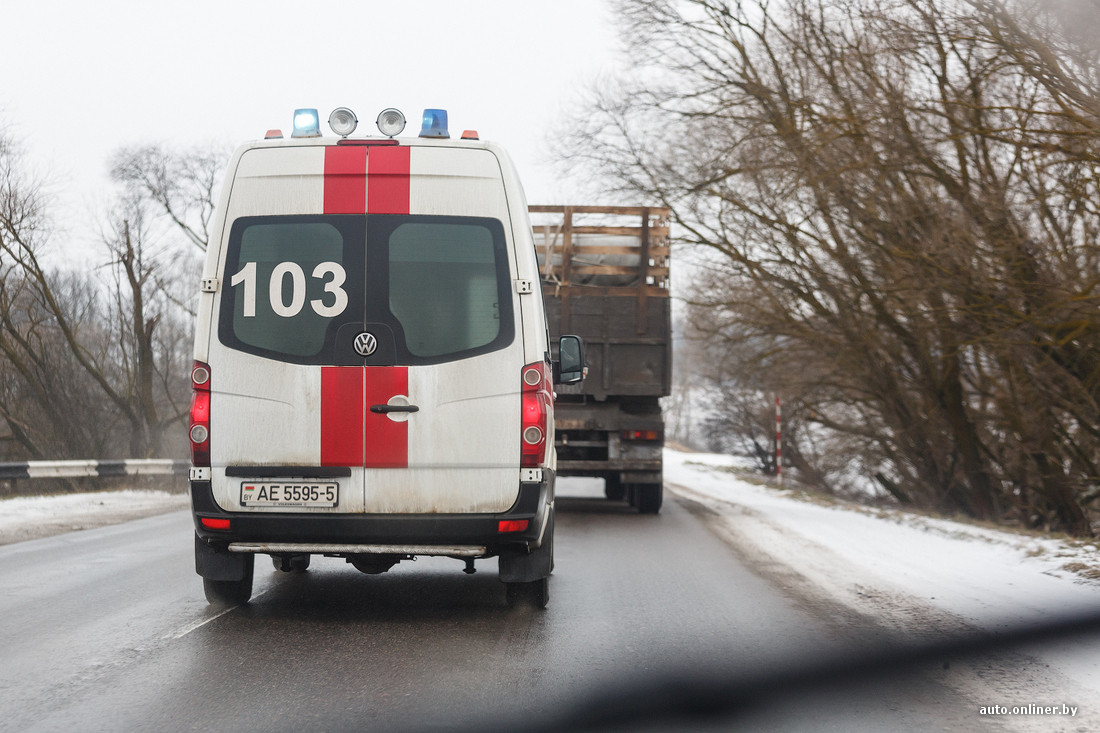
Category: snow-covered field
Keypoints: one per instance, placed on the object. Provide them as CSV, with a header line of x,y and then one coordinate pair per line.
x,y
919,576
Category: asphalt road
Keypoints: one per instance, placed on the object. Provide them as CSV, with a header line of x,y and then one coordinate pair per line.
x,y
107,629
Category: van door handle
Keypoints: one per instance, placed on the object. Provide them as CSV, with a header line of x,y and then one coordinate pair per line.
x,y
383,409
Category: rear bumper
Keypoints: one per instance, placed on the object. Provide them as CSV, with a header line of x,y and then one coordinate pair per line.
x,y
591,468
336,533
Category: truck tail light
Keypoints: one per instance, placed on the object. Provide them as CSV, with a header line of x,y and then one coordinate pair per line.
x,y
536,414
641,435
199,429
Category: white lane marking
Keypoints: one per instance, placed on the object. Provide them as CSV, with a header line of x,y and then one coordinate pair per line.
x,y
180,633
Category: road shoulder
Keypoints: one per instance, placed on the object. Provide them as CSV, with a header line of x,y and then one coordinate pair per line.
x,y
33,517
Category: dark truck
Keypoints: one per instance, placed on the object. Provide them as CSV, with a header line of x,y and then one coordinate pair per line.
x,y
605,273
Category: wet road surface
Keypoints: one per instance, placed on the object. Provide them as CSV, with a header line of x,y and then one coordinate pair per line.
x,y
108,629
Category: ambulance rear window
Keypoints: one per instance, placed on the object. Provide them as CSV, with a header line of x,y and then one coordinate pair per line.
x,y
286,284
443,286
428,288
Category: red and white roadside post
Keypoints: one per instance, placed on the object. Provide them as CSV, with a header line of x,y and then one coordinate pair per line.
x,y
778,442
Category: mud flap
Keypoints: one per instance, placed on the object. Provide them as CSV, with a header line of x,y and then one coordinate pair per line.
x,y
525,567
215,564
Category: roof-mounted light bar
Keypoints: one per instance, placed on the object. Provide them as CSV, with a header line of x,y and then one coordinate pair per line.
x,y
390,122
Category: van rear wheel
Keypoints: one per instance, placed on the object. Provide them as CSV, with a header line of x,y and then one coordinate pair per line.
x,y
536,593
228,592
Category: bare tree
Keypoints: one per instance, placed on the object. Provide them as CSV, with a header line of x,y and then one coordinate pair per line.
x,y
48,328
97,367
149,329
900,199
181,184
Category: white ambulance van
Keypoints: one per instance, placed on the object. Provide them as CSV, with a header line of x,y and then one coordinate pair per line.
x,y
373,375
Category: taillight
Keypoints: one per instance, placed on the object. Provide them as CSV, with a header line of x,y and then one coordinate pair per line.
x,y
512,525
199,430
641,435
536,414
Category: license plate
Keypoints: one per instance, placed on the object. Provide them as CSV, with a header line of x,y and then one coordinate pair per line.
x,y
291,493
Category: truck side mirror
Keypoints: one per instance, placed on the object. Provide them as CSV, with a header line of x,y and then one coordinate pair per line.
x,y
570,367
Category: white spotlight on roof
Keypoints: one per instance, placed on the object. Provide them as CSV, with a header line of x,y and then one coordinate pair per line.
x,y
343,121
390,122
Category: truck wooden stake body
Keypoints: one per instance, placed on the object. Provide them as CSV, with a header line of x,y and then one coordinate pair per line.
x,y
605,272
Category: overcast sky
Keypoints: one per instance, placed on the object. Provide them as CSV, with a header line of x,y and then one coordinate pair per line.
x,y
81,79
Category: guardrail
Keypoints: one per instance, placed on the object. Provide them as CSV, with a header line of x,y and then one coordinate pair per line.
x,y
97,469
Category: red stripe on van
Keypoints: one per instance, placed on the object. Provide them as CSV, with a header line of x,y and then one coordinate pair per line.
x,y
345,180
341,416
388,180
352,435
387,441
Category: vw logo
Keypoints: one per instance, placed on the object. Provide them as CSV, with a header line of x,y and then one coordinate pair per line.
x,y
366,343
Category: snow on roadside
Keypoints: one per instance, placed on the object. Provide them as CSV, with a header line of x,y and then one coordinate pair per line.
x,y
914,573
32,517
973,571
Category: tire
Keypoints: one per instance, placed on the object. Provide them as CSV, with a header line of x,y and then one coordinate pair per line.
x,y
648,497
291,563
228,592
226,576
613,488
536,593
